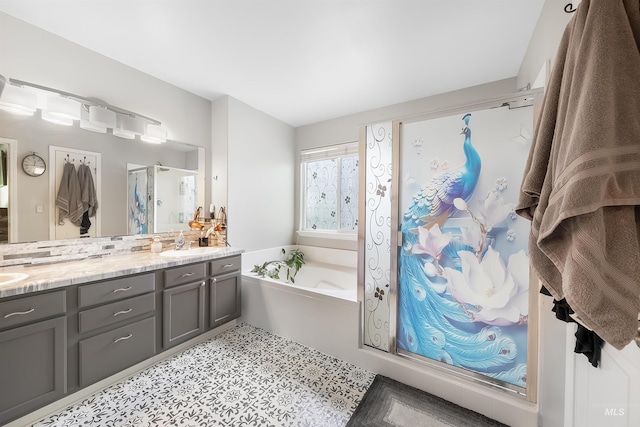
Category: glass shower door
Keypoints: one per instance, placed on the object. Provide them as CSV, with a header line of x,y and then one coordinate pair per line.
x,y
462,262
137,197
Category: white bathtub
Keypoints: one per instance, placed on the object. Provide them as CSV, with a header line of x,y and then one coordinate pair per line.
x,y
320,310
328,272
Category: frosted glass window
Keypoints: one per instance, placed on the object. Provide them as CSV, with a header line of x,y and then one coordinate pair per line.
x,y
330,183
349,193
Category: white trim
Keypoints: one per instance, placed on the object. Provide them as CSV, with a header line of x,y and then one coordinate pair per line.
x,y
329,152
331,234
13,187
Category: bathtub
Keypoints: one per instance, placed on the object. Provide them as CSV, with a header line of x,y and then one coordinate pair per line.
x,y
329,272
320,310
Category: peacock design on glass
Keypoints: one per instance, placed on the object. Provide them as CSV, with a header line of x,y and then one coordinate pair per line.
x,y
460,301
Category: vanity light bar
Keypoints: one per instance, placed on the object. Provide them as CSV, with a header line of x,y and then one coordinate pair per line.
x,y
82,100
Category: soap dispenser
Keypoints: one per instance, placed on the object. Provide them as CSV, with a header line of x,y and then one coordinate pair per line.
x,y
180,240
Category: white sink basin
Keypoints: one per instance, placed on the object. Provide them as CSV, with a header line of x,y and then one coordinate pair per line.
x,y
9,278
189,252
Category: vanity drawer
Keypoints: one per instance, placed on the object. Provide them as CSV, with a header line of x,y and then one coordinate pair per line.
x,y
187,274
113,351
109,314
31,308
224,265
113,290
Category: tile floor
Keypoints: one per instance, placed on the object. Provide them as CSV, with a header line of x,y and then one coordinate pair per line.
x,y
242,377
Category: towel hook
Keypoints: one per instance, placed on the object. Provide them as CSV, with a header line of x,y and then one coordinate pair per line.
x,y
569,8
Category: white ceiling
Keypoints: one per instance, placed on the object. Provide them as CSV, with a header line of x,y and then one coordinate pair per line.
x,y
301,61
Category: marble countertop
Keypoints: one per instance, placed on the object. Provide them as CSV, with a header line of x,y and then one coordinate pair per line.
x,y
57,275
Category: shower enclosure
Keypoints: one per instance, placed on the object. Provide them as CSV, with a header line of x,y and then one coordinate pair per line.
x,y
444,263
160,198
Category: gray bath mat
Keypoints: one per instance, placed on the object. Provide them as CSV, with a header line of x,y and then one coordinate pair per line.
x,y
388,403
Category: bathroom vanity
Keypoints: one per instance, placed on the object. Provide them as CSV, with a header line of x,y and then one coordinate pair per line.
x,y
58,336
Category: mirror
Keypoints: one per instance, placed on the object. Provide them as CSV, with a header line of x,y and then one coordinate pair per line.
x,y
32,198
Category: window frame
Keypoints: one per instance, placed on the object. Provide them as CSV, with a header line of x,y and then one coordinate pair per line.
x,y
337,151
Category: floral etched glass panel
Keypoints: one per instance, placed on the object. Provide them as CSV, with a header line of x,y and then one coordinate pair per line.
x,y
321,204
377,250
349,193
463,267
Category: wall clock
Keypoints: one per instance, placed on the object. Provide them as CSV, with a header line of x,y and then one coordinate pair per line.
x,y
33,165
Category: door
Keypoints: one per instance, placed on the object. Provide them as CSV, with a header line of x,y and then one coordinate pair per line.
x,y
65,229
606,396
462,263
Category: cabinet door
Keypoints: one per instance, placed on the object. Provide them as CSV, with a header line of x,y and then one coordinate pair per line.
x,y
224,299
32,367
183,313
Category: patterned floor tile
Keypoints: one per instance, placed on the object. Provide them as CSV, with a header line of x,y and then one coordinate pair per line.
x,y
242,377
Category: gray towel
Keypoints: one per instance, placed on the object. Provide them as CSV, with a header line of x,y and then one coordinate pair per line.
x,y
582,180
87,190
68,199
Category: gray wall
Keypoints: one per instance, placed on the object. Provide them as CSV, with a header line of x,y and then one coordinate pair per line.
x,y
31,54
260,178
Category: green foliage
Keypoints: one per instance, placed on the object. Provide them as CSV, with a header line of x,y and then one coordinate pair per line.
x,y
293,262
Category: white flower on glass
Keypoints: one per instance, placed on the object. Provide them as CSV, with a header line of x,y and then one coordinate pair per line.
x,y
513,215
511,235
430,269
500,293
501,184
431,241
444,165
435,164
417,144
472,236
493,211
481,283
517,310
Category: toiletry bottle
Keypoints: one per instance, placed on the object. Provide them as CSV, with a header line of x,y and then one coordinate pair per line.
x,y
180,240
156,245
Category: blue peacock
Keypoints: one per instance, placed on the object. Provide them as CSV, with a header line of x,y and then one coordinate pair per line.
x,y
430,322
434,203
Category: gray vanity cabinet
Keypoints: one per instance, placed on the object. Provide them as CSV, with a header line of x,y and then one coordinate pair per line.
x,y
183,313
54,343
224,291
116,326
32,353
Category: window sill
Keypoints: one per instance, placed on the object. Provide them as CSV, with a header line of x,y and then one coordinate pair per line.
x,y
333,235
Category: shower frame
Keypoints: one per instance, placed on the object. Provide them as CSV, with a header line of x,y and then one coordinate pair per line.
x,y
529,392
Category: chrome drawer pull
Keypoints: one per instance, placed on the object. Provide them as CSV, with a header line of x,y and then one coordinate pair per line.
x,y
228,265
202,284
19,313
122,312
187,275
128,288
122,338
214,280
